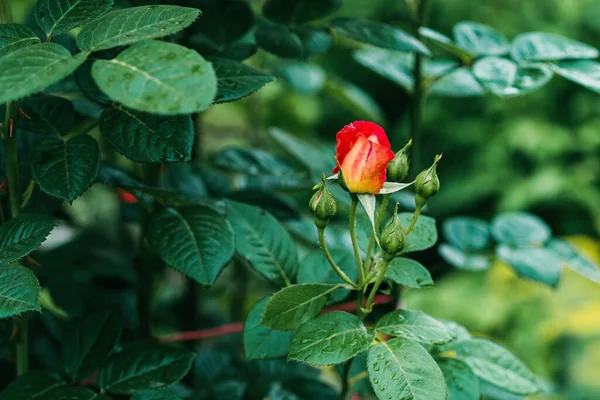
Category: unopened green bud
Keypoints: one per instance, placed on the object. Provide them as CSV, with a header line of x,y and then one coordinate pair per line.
x,y
393,237
397,169
322,204
427,183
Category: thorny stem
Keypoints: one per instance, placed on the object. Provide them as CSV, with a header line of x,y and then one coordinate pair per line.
x,y
378,218
327,254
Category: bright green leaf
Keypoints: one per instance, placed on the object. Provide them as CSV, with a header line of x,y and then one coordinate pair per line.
x,y
294,305
538,264
464,259
467,233
130,25
424,234
314,158
15,36
462,383
292,12
480,39
315,269
402,369
261,342
144,367
158,77
529,79
573,260
236,80
445,43
32,68
261,239
458,83
378,34
23,234
583,72
148,138
409,273
48,115
496,74
541,46
332,338
65,169
60,16
354,99
495,364
196,241
415,325
520,229
304,78
19,290
89,343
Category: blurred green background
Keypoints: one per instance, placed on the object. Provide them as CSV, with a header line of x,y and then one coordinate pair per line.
x,y
539,153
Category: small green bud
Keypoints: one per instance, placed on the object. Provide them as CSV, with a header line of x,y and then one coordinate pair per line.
x,y
427,183
397,169
322,204
393,237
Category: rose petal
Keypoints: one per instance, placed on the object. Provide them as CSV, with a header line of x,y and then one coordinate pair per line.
x,y
347,137
364,166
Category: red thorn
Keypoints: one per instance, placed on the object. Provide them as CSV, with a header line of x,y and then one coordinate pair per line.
x,y
126,197
4,186
23,114
11,127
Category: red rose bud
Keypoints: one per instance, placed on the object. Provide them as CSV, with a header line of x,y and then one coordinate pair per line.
x,y
427,183
363,152
322,204
397,169
393,237
126,197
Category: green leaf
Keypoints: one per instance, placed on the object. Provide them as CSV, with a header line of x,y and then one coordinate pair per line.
x,y
446,43
251,162
155,395
314,158
529,79
354,99
144,367
409,273
15,36
462,382
60,16
65,169
458,83
196,241
315,269
480,39
496,74
495,364
43,386
583,72
148,138
463,259
261,342
294,305
89,343
33,68
402,369
537,264
295,12
23,234
467,233
279,40
236,80
378,34
573,260
19,290
130,25
48,115
415,325
304,78
332,338
540,46
520,229
261,239
315,40
424,234
158,77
